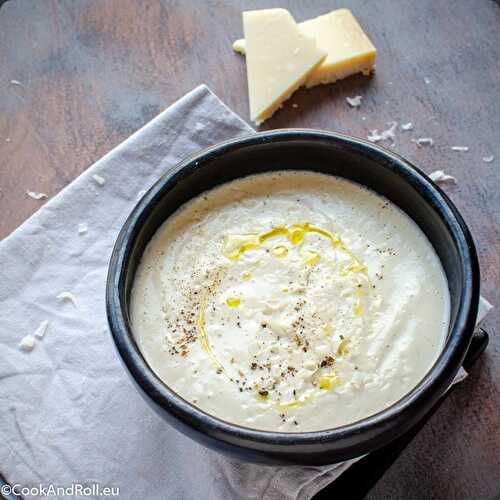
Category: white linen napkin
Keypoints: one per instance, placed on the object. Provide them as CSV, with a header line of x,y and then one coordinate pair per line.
x,y
69,413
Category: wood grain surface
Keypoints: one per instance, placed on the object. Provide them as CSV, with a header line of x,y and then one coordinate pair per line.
x,y
91,72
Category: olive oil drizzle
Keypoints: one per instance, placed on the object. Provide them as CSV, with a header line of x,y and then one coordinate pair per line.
x,y
202,334
235,246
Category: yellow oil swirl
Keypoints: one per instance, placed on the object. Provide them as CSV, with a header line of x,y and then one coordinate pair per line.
x,y
233,302
328,381
358,308
292,404
343,347
280,251
202,334
236,245
325,382
311,258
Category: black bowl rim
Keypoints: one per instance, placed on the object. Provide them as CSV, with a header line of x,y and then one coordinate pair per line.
x,y
388,420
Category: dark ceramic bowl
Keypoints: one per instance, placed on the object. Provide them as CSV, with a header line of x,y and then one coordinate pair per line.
x,y
329,153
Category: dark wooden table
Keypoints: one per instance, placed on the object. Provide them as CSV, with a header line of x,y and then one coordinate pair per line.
x,y
93,71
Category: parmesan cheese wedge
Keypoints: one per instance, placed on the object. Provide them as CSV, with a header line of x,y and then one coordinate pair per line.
x,y
349,49
280,58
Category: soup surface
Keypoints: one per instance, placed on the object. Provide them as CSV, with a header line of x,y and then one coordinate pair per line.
x,y
290,301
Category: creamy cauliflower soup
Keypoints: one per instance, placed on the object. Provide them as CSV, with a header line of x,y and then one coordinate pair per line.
x,y
290,301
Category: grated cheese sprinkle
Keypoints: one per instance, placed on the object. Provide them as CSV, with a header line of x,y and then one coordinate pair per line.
x,y
424,141
385,134
67,296
42,329
440,176
27,343
355,101
100,180
35,195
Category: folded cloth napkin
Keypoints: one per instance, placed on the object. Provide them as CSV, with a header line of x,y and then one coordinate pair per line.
x,y
69,413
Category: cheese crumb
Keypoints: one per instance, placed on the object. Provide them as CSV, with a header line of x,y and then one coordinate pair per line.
x,y
27,343
82,228
384,135
100,180
460,148
488,159
42,328
424,141
35,195
427,81
295,105
354,102
407,126
16,82
68,296
239,46
440,176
